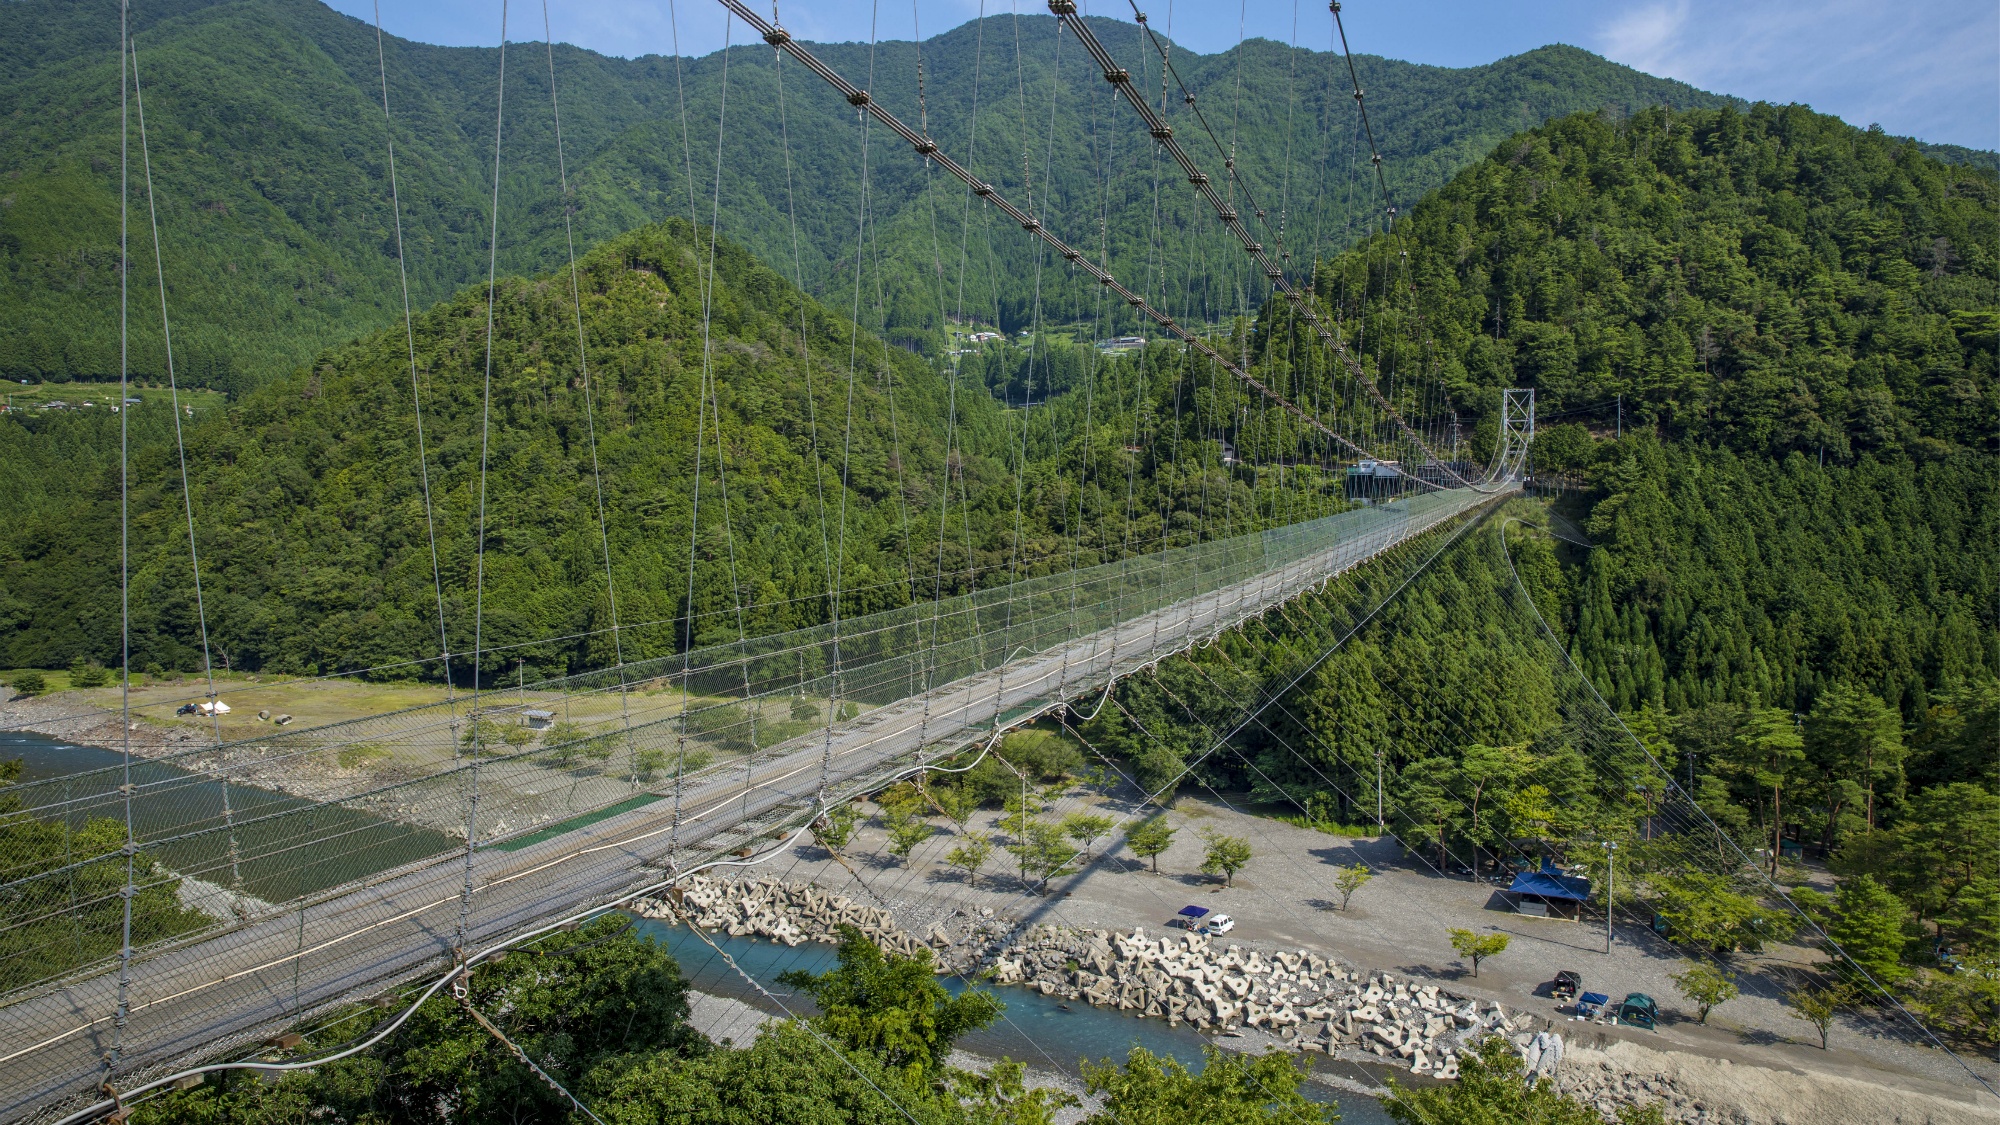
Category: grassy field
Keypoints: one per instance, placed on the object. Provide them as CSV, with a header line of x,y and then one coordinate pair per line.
x,y
258,703
26,397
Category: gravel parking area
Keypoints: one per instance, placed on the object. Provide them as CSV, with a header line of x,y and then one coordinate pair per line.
x,y
1399,922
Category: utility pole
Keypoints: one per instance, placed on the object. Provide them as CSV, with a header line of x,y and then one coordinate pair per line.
x,y
1610,883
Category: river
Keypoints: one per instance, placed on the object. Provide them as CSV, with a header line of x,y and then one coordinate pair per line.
x,y
1044,1032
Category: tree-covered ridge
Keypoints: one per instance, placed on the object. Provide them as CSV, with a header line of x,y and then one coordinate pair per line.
x,y
1801,320
308,500
1770,280
267,143
1791,589
1731,578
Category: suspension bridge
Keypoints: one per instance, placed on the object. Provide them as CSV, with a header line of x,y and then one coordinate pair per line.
x,y
472,841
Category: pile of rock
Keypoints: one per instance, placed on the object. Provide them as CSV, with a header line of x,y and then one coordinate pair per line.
x,y
1305,1000
786,912
1309,1001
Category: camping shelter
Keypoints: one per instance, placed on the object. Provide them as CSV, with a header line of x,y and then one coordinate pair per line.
x,y
1549,892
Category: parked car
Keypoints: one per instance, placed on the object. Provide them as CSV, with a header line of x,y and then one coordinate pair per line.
x,y
1565,987
1219,924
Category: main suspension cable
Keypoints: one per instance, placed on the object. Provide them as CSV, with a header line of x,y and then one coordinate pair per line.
x,y
927,147
1121,79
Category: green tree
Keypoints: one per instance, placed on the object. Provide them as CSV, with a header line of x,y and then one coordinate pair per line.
x,y
484,732
49,926
790,1076
577,1003
1817,1005
1706,987
1021,810
1349,879
1427,804
1767,751
87,674
970,855
833,828
1964,1003
1867,926
1042,850
1231,1089
891,1006
1942,847
787,1075
564,742
601,748
906,832
1084,827
1485,773
1226,855
29,683
1491,1090
1854,739
1707,911
647,761
956,802
998,1096
1149,838
1476,947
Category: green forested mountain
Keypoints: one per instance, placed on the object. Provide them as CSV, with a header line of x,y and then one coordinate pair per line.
x,y
1801,320
1791,590
310,517
268,149
1768,281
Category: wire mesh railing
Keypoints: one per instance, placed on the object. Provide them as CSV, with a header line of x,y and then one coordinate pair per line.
x,y
282,870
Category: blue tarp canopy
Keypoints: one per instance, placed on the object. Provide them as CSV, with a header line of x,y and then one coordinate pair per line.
x,y
1548,883
1193,911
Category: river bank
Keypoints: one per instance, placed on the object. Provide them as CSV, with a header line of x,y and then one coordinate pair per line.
x,y
1302,1001
1050,1039
1259,996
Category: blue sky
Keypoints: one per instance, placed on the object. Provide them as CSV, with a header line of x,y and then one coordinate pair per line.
x,y
1923,68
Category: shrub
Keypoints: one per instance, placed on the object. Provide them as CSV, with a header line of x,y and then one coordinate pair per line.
x,y
1476,947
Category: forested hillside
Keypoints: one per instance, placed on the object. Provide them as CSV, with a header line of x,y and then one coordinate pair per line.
x,y
309,511
268,151
1791,587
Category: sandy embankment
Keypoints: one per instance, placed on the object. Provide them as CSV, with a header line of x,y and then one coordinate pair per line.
x,y
1757,1095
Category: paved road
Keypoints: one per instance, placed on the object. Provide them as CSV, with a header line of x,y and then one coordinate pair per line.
x,y
230,989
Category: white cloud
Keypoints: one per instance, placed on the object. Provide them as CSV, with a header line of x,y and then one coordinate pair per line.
x,y
1929,68
1648,37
